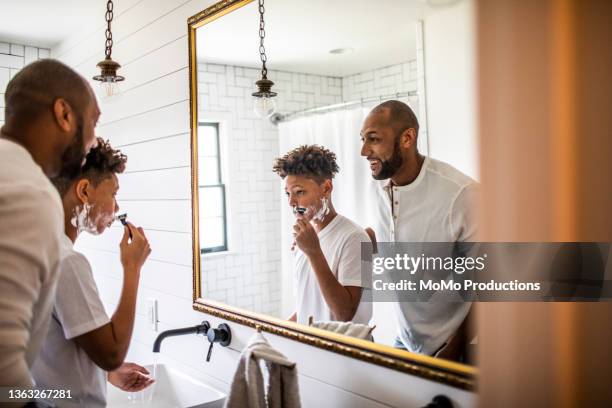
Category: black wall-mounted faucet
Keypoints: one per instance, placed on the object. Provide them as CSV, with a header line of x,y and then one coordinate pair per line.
x,y
199,329
221,335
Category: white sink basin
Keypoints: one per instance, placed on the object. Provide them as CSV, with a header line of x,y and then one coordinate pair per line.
x,y
172,389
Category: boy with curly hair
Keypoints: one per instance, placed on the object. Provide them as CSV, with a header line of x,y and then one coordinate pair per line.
x,y
83,344
327,262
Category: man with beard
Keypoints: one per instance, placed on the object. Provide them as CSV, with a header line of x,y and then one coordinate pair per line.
x,y
50,115
424,200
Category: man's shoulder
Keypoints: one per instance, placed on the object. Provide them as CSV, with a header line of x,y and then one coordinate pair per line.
x,y
34,214
449,172
22,179
39,203
447,182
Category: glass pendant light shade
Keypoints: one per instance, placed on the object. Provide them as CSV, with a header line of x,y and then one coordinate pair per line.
x,y
108,89
264,106
109,80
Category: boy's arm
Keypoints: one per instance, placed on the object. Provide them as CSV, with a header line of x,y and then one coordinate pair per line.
x,y
108,344
342,300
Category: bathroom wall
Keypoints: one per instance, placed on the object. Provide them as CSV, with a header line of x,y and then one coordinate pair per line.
x,y
384,81
450,72
13,57
150,122
252,188
249,146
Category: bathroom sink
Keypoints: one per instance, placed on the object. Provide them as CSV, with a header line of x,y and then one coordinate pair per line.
x,y
172,389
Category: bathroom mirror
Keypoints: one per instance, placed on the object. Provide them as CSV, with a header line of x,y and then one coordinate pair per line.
x,y
329,70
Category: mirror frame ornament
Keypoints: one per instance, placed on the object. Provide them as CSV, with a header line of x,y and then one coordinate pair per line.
x,y
454,374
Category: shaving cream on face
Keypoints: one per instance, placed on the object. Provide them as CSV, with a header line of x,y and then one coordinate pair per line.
x,y
83,219
323,211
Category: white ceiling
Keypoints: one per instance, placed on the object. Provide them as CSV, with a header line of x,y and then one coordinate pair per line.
x,y
44,23
300,34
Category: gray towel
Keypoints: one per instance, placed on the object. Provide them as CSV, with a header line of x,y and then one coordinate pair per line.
x,y
247,389
361,331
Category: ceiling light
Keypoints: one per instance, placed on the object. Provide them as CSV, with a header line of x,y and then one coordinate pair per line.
x,y
263,104
108,77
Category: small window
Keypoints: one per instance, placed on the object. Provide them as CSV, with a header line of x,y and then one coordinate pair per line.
x,y
213,222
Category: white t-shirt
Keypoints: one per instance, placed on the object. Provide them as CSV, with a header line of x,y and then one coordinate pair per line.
x,y
31,224
340,241
438,206
62,364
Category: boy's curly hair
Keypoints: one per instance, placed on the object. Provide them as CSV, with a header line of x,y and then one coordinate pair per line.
x,y
100,163
312,161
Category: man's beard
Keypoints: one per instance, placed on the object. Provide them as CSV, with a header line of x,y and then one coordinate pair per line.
x,y
388,168
72,159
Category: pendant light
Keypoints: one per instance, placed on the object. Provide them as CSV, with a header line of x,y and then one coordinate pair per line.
x,y
263,102
109,80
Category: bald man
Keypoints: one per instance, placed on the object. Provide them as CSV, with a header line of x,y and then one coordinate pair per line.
x,y
50,116
420,200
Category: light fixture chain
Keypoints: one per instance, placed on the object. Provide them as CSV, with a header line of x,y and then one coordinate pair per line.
x,y
262,35
109,34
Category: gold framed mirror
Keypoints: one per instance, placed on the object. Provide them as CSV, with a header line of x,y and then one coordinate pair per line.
x,y
214,125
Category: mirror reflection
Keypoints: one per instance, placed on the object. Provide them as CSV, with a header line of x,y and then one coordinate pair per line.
x,y
291,186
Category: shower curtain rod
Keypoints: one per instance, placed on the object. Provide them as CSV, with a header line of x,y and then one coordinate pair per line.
x,y
339,106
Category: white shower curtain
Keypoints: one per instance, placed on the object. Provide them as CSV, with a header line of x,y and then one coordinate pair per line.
x,y
337,131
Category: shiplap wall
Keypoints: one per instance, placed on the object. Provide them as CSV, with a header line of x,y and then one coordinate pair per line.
x,y
151,124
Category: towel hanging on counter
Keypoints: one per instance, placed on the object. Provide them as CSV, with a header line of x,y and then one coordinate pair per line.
x,y
247,389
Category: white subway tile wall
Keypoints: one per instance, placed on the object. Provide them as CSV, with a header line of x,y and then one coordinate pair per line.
x,y
13,57
384,81
249,275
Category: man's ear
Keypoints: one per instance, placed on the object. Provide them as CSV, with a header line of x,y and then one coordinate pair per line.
x,y
82,190
64,115
408,138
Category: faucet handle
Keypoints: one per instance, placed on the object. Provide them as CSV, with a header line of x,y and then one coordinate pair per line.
x,y
221,334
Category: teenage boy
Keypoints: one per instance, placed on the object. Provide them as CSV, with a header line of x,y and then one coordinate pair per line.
x,y
327,260
83,343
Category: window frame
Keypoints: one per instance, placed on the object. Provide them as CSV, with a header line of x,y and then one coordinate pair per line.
x,y
220,184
